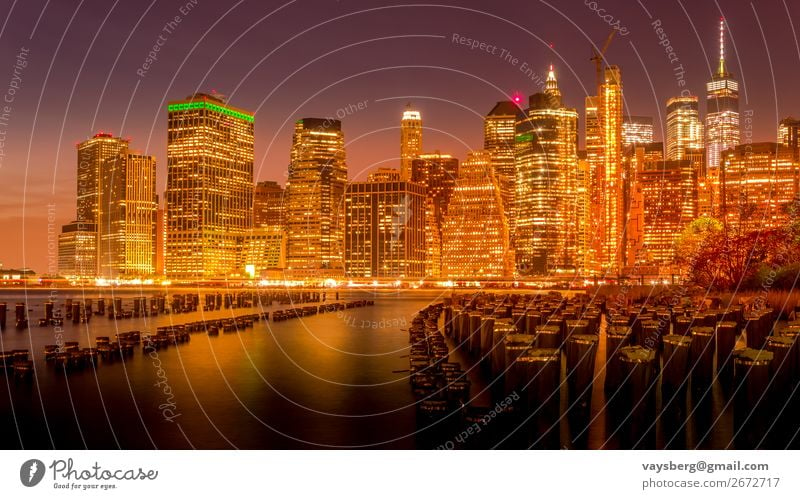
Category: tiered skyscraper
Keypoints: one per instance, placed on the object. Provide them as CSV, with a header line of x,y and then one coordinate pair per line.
x,y
315,199
410,140
546,160
475,232
722,116
114,235
209,186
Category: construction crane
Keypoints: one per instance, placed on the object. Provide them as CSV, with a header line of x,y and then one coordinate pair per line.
x,y
599,57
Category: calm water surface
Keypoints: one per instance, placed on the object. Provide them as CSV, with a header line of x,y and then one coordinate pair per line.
x,y
335,380
329,380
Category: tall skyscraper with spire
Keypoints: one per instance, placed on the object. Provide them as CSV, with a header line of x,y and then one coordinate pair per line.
x,y
722,117
410,140
546,160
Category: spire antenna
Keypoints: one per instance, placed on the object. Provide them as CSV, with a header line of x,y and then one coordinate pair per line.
x,y
722,69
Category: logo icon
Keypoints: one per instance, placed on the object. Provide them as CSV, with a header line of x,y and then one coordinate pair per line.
x,y
31,472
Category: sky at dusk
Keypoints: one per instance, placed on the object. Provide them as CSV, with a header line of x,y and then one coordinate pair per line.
x,y
85,71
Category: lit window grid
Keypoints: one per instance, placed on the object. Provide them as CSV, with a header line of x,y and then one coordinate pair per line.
x,y
385,230
475,232
668,203
722,133
759,181
264,248
410,141
546,232
314,196
127,216
77,254
684,128
91,154
636,133
499,132
611,195
209,191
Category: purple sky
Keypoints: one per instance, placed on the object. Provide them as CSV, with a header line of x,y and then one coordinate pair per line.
x,y
323,57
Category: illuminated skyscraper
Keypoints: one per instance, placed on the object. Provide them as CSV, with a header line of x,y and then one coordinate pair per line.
x,y
384,175
583,208
269,207
722,114
263,250
594,139
91,155
498,139
433,242
609,113
77,250
664,201
594,228
475,233
789,135
161,240
684,129
437,172
758,183
126,216
410,140
385,229
315,197
546,159
209,194
634,158
637,130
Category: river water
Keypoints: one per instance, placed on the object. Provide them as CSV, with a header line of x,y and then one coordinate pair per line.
x,y
334,380
321,381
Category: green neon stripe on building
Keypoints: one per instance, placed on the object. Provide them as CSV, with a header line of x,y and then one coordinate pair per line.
x,y
211,107
526,137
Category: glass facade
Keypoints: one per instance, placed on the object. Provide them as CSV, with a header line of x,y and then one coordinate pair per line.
x,y
209,196
315,199
127,214
385,229
475,233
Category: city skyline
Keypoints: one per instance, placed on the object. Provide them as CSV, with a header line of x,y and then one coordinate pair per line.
x,y
568,61
315,228
540,215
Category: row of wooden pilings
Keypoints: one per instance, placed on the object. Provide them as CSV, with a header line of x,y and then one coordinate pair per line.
x,y
529,346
